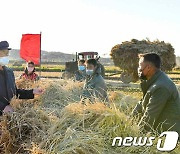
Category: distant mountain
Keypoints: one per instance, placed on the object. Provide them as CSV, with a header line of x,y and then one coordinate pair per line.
x,y
63,57
46,56
54,57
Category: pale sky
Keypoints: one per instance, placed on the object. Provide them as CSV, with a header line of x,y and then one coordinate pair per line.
x,y
90,25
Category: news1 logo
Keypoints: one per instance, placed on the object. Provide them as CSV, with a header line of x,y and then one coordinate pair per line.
x,y
167,144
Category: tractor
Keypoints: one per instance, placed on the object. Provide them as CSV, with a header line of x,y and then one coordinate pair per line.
x,y
72,66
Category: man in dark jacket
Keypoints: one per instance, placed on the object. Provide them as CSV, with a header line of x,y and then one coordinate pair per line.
x,y
7,82
159,108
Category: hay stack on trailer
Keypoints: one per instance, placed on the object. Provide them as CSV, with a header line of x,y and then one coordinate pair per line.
x,y
125,56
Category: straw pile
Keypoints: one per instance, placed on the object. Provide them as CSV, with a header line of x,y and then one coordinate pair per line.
x,y
31,119
87,129
53,124
29,84
124,103
21,128
125,55
60,94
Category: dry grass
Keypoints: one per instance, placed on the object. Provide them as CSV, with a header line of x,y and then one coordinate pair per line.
x,y
45,74
21,128
57,123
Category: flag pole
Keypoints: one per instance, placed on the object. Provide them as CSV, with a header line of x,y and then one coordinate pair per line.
x,y
40,54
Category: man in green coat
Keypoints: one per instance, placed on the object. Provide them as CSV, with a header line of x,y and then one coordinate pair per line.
x,y
159,109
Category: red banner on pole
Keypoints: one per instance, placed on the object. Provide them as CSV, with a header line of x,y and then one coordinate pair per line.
x,y
30,49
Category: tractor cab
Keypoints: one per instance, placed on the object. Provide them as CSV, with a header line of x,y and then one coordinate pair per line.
x,y
87,55
72,66
92,55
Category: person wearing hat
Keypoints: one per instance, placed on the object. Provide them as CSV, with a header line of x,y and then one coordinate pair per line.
x,y
8,87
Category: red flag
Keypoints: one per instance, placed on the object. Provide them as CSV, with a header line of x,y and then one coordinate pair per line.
x,y
31,47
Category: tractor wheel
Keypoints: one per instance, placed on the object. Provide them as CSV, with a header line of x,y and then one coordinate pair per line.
x,y
126,77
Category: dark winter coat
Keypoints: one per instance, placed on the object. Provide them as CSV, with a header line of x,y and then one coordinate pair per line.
x,y
160,106
11,89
